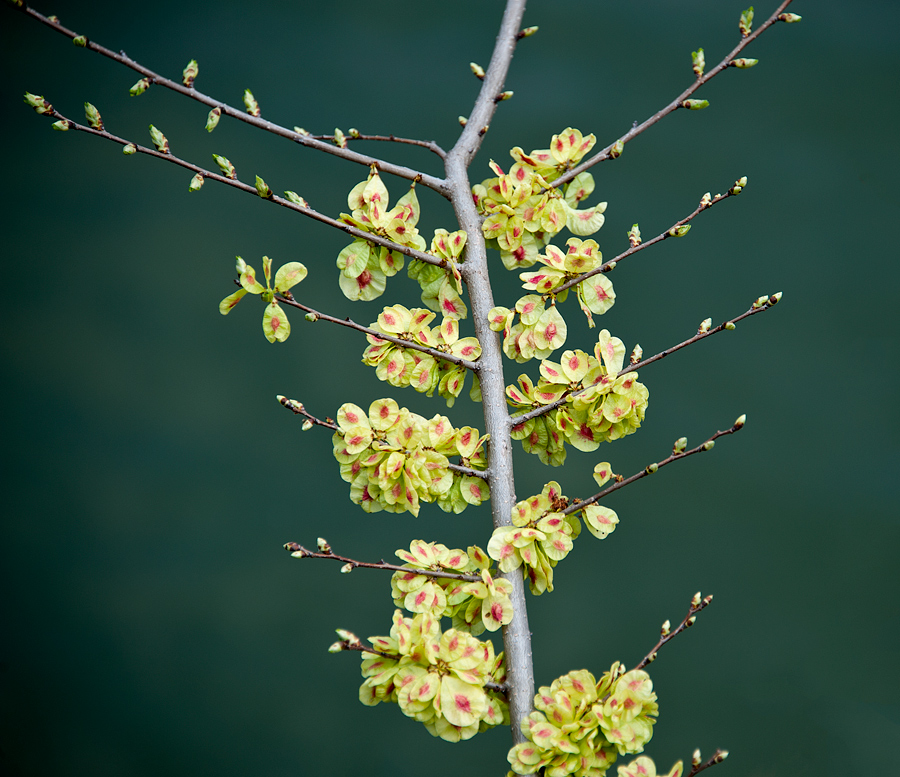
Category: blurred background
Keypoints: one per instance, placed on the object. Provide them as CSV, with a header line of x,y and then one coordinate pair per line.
x,y
152,622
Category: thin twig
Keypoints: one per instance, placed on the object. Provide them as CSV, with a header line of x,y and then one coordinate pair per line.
x,y
697,604
438,184
298,551
676,103
433,352
716,758
543,410
607,266
429,144
652,468
306,211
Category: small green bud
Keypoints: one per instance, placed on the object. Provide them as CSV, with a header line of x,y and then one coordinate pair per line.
x,y
740,421
346,569
681,231
196,183
347,636
528,32
250,103
477,69
746,22
18,3
705,200
695,105
53,18
707,599
760,301
612,265
651,658
62,126
300,131
666,628
140,87
129,148
212,120
651,468
262,189
721,756
336,647
705,325
81,41
709,445
190,73
775,298
695,758
743,62
339,140
353,132
636,354
690,621
37,102
225,166
462,121
311,317
93,116
634,235
695,602
324,547
790,18
742,181
503,96
730,326
159,140
699,62
616,151
296,199
680,445
306,425
241,267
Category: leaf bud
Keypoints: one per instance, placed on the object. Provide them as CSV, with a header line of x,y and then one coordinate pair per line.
x,y
324,547
130,148
296,199
651,468
696,758
477,69
739,184
159,140
666,628
743,62
679,231
775,298
140,87
705,324
721,755
707,599
306,425
706,200
93,116
503,96
616,151
347,568
212,120
634,235
37,102
262,189
225,166
790,18
80,40
695,602
746,22
347,636
740,421
18,3
695,105
651,658
339,139
483,130
311,317
528,32
241,267
196,183
462,121
760,301
636,354
729,325
680,445
612,265
690,621
709,445
301,131
62,126
699,62
250,103
337,647
353,132
190,73
53,18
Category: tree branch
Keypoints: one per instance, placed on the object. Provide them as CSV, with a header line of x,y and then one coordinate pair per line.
x,y
717,758
697,604
438,184
306,211
429,144
676,103
758,307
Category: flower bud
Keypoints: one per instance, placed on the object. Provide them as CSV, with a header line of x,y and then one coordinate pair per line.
x,y
311,317
709,445
740,421
262,189
190,73
462,121
651,468
696,600
707,599
730,326
306,425
634,235
347,568
681,231
699,62
301,131
477,69
705,324
140,87
353,132
690,621
250,103
339,139
159,140
337,647
37,102
696,758
93,116
324,547
746,22
721,756
760,301
129,148
636,354
62,126
666,628
790,18
241,267
528,32
196,183
225,166
695,105
706,200
80,40
53,18
296,199
347,636
616,151
503,96
680,445
212,120
744,62
775,298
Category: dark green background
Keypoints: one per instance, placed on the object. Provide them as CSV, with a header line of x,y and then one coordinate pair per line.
x,y
151,621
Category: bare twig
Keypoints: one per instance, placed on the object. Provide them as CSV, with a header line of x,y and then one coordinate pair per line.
x,y
652,468
305,210
521,418
697,604
676,103
429,144
438,184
